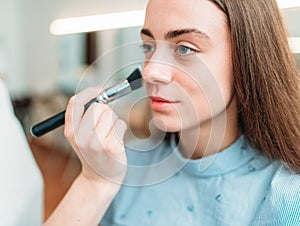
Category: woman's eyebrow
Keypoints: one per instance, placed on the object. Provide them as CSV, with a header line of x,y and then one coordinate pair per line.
x,y
147,32
192,31
177,33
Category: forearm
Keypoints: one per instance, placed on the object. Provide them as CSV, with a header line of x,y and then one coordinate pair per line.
x,y
96,136
84,204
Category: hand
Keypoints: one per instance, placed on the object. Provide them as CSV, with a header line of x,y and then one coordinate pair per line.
x,y
97,138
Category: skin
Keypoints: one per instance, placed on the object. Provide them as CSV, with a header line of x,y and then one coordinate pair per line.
x,y
97,136
207,38
97,140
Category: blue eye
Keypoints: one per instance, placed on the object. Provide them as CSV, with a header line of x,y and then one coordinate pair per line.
x,y
184,50
147,48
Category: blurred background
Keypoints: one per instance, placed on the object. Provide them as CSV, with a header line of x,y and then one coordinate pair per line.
x,y
42,69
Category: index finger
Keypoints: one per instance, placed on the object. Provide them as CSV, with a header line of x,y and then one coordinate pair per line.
x,y
75,108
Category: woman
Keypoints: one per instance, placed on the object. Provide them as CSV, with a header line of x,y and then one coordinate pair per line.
x,y
234,159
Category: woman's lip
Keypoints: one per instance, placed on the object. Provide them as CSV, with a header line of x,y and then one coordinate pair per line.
x,y
160,99
161,104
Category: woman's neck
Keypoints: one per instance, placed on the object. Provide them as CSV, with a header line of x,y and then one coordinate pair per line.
x,y
211,136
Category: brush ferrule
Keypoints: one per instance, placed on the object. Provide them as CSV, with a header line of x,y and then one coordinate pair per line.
x,y
114,92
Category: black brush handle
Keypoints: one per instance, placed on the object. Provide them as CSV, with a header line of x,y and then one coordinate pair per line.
x,y
48,124
54,122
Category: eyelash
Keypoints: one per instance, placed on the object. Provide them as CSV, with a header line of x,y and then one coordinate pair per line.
x,y
147,48
192,50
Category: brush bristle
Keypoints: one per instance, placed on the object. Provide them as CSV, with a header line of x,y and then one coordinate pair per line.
x,y
135,79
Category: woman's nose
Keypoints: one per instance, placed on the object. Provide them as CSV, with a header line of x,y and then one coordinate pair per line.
x,y
157,72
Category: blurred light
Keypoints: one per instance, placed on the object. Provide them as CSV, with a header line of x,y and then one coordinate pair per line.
x,y
283,4
97,22
117,20
295,44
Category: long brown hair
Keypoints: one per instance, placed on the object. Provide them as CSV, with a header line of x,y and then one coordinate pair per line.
x,y
266,78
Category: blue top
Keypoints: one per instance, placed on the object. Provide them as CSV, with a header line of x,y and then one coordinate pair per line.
x,y
237,186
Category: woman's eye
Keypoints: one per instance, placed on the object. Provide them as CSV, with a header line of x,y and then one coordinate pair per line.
x,y
184,50
147,48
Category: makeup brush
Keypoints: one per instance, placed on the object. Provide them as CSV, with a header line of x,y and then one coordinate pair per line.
x,y
133,82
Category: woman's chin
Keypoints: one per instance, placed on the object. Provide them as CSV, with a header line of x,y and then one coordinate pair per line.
x,y
165,125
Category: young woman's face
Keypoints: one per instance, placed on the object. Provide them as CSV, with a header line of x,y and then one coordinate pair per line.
x,y
188,67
